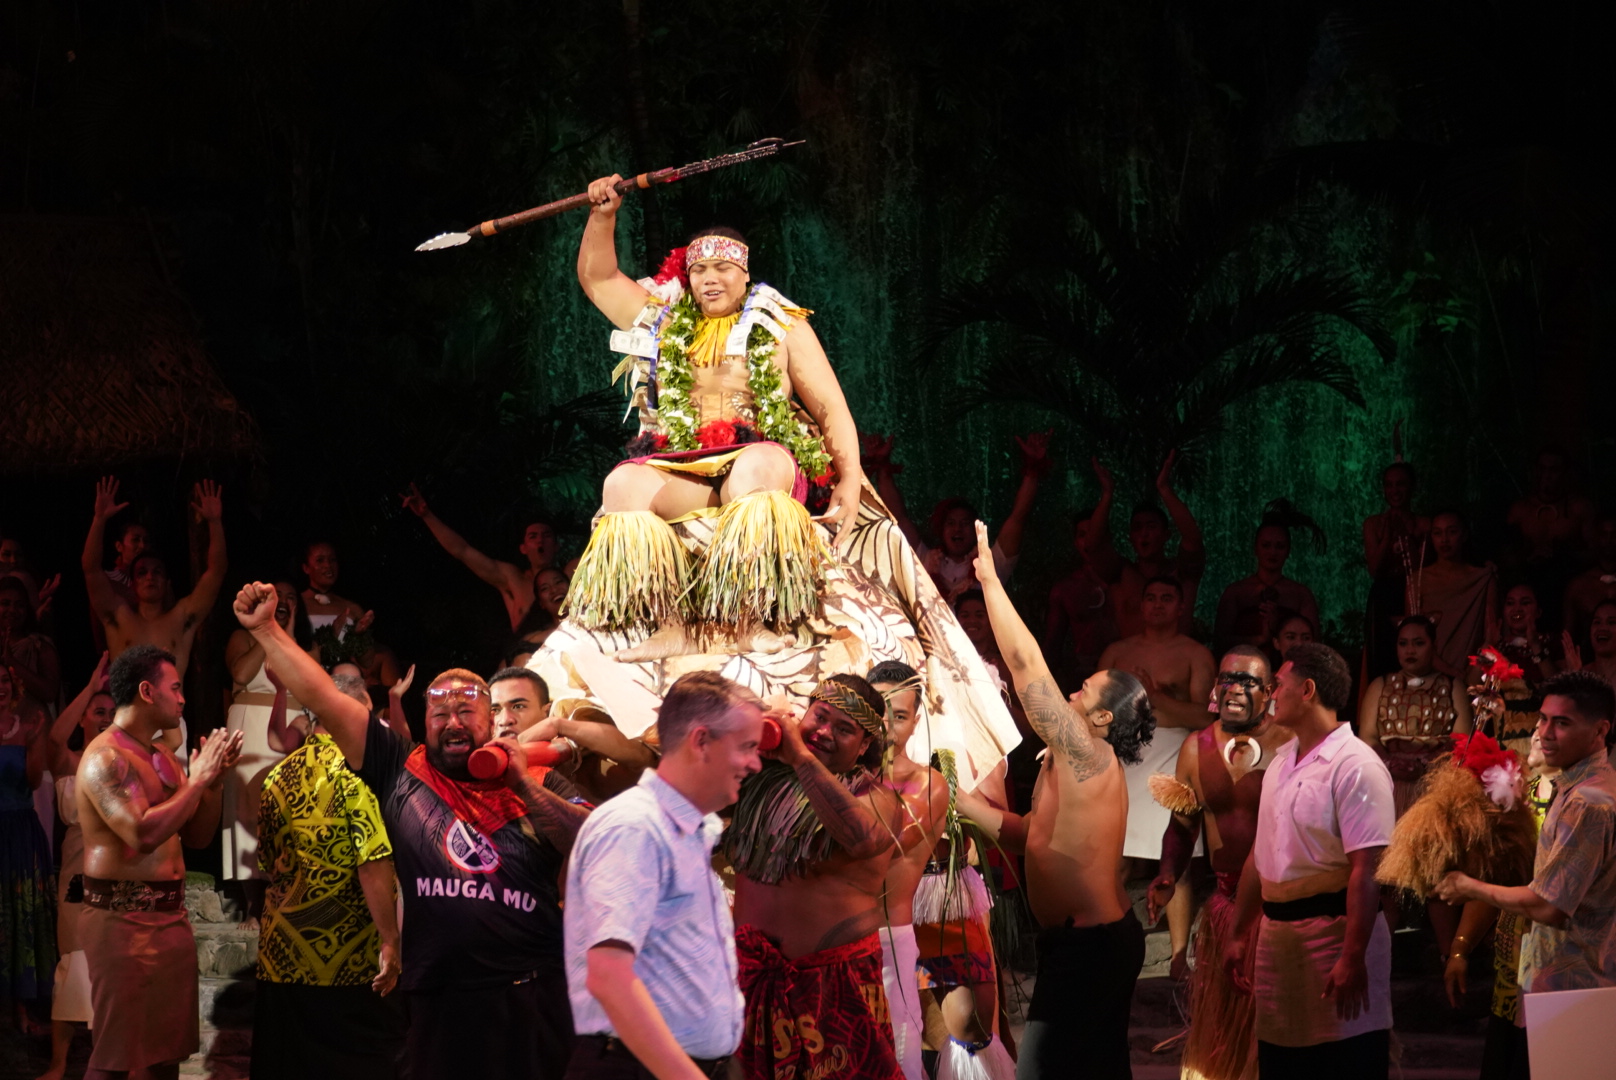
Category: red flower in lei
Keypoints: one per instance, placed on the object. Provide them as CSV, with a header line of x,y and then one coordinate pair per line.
x,y
715,433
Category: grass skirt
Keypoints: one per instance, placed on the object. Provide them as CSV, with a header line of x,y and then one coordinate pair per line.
x,y
634,573
1222,1043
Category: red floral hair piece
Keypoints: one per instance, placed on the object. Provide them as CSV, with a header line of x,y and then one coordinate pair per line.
x,y
672,267
1479,752
1494,665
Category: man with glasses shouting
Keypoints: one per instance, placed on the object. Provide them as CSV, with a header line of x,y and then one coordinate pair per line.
x,y
478,863
1217,787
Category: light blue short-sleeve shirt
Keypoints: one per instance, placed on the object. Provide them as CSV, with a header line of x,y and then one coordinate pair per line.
x,y
641,873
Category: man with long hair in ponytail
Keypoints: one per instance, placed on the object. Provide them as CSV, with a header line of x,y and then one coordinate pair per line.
x,y
1091,947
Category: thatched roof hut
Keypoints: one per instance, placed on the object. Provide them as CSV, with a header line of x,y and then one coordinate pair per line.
x,y
101,358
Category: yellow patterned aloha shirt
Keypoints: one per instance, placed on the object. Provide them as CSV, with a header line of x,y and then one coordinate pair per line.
x,y
317,824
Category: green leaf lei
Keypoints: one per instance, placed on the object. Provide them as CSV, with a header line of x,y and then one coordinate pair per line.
x,y
776,421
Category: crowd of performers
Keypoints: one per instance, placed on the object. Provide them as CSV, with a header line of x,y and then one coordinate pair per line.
x,y
766,797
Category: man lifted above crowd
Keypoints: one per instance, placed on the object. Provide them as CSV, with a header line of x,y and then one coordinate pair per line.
x,y
1092,947
812,839
718,436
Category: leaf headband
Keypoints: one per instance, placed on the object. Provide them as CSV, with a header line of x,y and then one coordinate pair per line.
x,y
853,704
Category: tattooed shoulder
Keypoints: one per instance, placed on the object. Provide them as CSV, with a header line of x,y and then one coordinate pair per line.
x,y
1059,725
109,778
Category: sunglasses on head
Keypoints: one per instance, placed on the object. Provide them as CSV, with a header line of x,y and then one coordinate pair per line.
x,y
1241,679
439,695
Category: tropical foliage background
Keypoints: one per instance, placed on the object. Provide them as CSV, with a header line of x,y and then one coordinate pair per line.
x,y
1260,233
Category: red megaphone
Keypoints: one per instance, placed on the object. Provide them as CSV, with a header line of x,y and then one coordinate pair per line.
x,y
487,762
769,739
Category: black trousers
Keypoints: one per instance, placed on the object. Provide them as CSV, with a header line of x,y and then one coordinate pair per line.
x,y
325,1033
1362,1057
1077,1024
1503,1055
520,1031
596,1057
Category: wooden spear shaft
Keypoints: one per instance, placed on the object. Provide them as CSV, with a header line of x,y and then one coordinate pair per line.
x,y
760,149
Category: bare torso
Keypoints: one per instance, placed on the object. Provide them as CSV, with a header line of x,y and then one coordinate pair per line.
x,y
721,392
835,902
1169,661
925,798
173,630
106,855
1548,529
1074,844
1229,791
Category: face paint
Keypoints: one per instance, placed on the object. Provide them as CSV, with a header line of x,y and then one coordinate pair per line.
x,y
1236,688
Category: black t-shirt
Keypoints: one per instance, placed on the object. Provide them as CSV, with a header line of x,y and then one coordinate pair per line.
x,y
478,910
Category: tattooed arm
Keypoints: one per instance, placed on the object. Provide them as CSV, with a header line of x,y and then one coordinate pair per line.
x,y
862,825
115,789
1055,721
556,819
865,825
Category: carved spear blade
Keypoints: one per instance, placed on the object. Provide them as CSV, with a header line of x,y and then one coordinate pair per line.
x,y
761,149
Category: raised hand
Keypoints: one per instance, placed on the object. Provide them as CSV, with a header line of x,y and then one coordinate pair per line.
x,y
1164,479
876,452
102,668
403,684
255,605
1568,645
107,505
603,197
205,500
1103,474
364,622
47,593
414,501
1035,451
986,572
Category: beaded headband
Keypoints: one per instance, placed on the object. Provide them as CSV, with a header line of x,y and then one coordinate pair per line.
x,y
716,248
840,697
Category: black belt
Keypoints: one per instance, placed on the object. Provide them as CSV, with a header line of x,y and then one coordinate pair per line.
x,y
610,1046
1323,905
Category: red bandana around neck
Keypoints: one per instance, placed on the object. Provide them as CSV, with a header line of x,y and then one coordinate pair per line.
x,y
486,805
